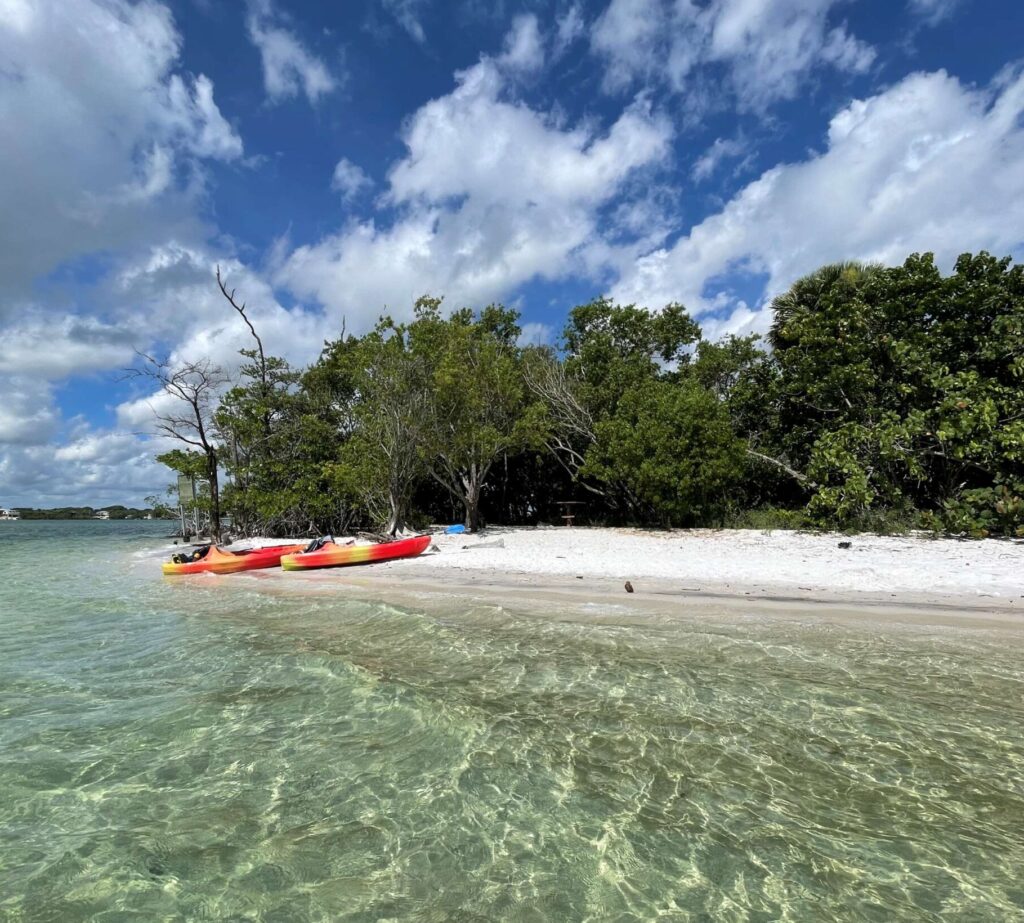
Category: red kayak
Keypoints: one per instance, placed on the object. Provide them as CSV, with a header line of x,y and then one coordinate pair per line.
x,y
215,560
328,554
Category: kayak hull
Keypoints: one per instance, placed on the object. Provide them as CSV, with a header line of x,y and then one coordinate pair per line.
x,y
232,562
331,555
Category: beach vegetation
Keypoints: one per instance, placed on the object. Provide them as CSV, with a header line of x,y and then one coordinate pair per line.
x,y
384,424
883,398
478,408
189,393
900,388
767,519
670,447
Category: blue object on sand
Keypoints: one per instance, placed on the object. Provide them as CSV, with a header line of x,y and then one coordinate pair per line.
x,y
455,530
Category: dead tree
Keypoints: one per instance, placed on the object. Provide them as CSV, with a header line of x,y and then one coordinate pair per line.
x,y
257,355
195,387
571,429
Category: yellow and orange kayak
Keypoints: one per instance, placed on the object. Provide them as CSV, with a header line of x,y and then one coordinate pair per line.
x,y
331,555
217,561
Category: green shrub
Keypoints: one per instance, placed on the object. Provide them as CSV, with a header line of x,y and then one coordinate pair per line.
x,y
767,518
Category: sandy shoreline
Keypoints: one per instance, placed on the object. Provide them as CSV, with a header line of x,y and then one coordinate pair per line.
x,y
911,580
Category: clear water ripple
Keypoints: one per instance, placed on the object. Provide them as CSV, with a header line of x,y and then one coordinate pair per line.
x,y
211,750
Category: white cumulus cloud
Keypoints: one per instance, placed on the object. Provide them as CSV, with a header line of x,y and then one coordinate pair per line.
x,y
933,11
102,137
349,179
27,415
923,165
524,48
407,14
92,468
41,346
536,334
173,287
289,68
767,48
489,195
570,26
721,150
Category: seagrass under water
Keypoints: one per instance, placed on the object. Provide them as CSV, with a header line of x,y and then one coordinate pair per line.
x,y
206,749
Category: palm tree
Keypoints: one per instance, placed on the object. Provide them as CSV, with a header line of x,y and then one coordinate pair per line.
x,y
806,293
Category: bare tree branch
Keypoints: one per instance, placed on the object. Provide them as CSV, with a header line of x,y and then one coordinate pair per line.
x,y
197,385
782,466
240,308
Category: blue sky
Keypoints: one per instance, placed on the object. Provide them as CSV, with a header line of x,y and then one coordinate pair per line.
x,y
338,160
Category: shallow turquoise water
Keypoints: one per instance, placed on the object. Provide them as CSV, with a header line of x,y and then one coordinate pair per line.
x,y
206,749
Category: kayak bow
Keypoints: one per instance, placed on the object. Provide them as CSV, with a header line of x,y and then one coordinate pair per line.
x,y
218,561
332,555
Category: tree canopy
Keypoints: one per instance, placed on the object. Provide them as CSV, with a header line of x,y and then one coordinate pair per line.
x,y
881,397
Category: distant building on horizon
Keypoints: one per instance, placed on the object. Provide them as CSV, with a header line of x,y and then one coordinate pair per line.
x,y
9,514
101,514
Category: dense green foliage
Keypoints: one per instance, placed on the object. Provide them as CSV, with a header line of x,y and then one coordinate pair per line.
x,y
478,409
671,446
899,390
882,397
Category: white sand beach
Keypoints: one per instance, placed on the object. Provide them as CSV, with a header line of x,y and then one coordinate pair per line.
x,y
780,569
745,559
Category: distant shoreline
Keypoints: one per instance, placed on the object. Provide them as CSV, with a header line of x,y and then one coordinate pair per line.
x,y
59,515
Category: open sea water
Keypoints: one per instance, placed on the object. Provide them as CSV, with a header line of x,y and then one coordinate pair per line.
x,y
230,749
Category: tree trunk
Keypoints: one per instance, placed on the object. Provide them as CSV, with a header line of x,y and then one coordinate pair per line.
x,y
211,474
471,499
396,519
